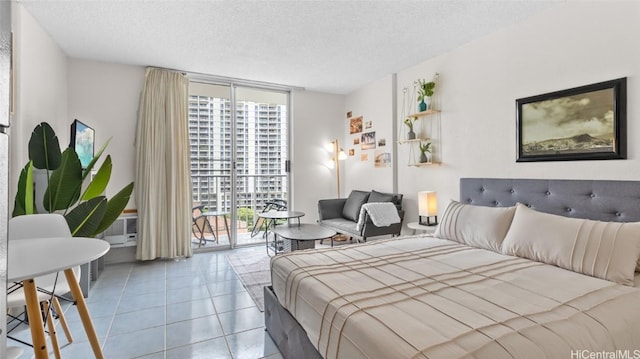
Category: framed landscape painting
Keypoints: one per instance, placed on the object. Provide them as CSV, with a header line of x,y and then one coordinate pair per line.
x,y
582,123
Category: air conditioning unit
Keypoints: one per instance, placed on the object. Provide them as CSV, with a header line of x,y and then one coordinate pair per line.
x,y
123,232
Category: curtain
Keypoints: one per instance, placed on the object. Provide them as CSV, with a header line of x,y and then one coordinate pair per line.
x,y
163,179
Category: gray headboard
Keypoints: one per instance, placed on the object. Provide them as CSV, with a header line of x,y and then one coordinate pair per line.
x,y
603,200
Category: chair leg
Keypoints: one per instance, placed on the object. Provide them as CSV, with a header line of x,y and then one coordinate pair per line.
x,y
226,226
61,318
52,329
214,233
34,314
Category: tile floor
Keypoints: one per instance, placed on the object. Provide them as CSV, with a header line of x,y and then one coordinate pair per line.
x,y
193,308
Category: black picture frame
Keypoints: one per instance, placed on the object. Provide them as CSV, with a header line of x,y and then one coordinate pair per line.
x,y
83,142
582,123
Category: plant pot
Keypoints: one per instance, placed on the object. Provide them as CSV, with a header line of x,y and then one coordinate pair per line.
x,y
422,106
424,158
411,135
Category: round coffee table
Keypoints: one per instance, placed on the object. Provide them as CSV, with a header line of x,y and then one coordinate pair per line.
x,y
301,236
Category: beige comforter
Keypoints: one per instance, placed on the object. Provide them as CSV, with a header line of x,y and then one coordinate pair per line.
x,y
420,297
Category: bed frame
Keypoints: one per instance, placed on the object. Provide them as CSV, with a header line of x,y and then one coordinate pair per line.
x,y
603,200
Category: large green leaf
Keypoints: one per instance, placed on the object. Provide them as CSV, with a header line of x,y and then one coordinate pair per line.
x,y
100,181
115,206
95,159
24,202
65,183
86,217
44,149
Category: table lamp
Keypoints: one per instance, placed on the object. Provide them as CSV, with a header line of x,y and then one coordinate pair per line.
x,y
427,207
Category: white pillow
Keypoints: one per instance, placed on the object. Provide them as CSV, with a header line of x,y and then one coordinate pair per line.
x,y
476,226
607,250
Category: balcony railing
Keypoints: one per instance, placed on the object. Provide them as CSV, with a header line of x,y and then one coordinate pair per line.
x,y
214,192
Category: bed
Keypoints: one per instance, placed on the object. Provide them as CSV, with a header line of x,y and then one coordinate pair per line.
x,y
501,282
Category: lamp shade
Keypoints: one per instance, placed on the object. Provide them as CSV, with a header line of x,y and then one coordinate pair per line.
x,y
341,155
427,203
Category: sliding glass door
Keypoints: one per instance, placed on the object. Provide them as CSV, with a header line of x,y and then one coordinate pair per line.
x,y
239,153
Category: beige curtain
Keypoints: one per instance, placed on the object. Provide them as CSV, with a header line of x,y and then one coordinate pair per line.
x,y
163,180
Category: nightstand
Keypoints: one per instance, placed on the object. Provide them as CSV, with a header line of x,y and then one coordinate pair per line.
x,y
420,227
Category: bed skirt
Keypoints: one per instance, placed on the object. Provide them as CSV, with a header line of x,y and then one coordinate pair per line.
x,y
291,339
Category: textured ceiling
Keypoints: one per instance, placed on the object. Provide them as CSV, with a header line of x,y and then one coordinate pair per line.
x,y
328,46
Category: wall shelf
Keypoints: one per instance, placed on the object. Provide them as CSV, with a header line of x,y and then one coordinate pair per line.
x,y
429,127
424,164
423,113
425,124
416,140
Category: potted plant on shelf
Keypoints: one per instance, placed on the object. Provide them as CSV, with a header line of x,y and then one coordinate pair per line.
x,y
424,149
409,122
427,89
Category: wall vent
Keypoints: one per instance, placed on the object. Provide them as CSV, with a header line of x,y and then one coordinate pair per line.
x,y
123,232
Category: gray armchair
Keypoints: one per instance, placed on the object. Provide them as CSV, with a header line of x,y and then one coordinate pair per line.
x,y
341,214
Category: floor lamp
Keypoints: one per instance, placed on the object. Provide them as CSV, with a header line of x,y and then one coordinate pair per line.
x,y
338,155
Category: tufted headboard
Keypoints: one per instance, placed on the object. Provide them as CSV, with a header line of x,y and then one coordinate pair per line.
x,y
603,200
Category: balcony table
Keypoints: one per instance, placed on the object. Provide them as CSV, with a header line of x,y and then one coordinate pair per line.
x,y
215,215
31,258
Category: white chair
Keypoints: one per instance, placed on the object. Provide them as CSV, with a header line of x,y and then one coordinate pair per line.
x,y
43,226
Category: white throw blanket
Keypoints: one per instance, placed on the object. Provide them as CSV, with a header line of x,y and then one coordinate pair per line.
x,y
382,214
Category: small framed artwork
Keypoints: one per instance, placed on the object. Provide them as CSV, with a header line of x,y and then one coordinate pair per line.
x,y
364,157
355,125
382,159
382,142
368,124
582,123
352,152
368,140
349,114
356,141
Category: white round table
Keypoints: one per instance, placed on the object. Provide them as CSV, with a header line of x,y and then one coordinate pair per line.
x,y
31,258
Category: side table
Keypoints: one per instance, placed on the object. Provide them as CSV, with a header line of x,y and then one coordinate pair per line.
x,y
416,226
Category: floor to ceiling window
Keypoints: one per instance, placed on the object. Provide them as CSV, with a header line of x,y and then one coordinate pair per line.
x,y
239,150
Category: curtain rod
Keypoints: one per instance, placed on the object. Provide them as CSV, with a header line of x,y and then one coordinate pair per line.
x,y
198,76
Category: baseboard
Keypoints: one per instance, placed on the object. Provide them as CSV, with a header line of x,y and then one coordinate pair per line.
x,y
120,255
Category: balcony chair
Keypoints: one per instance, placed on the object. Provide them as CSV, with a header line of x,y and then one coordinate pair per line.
x,y
271,205
201,226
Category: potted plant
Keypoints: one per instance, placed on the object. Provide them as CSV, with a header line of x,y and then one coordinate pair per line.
x,y
427,89
424,149
87,211
409,122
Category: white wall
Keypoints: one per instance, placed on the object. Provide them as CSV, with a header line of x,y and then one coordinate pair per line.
x,y
105,96
479,83
373,103
569,45
317,120
57,89
40,89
